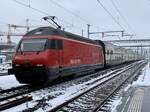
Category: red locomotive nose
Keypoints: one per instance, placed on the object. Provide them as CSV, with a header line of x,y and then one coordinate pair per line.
x,y
26,61
31,52
29,60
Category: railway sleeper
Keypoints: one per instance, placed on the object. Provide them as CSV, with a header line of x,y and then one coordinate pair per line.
x,y
14,102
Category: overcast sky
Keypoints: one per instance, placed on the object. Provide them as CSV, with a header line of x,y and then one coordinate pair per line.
x,y
135,12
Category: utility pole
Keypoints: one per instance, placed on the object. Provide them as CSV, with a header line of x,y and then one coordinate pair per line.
x,y
149,52
27,24
141,50
88,30
16,26
82,33
8,34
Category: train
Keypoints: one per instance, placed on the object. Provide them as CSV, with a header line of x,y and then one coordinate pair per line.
x,y
46,53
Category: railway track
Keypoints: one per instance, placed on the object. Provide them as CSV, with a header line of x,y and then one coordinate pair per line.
x,y
14,101
22,90
12,92
14,96
13,89
94,97
103,106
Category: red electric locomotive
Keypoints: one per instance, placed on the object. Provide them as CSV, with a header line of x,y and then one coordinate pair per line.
x,y
46,53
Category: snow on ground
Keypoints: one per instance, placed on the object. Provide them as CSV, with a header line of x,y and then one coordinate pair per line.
x,y
127,87
57,96
144,78
4,67
8,81
21,107
115,103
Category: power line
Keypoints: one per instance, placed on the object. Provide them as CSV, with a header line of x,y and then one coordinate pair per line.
x,y
124,19
110,15
67,10
45,13
72,13
37,10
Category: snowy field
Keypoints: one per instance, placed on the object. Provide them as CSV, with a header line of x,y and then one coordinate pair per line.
x,y
8,81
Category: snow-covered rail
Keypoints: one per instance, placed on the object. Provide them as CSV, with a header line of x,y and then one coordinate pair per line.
x,y
11,102
98,92
103,105
12,92
49,98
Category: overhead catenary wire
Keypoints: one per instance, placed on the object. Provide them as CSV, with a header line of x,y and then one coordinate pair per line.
x,y
121,15
110,15
38,10
45,13
35,9
72,13
69,11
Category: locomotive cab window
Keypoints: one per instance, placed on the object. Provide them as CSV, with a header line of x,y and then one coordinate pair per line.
x,y
32,45
55,44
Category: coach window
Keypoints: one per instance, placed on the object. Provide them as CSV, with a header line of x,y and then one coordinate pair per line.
x,y
107,52
111,52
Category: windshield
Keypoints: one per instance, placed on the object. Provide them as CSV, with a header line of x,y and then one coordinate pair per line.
x,y
32,45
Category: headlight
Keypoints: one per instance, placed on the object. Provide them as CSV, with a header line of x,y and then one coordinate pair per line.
x,y
17,65
39,65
